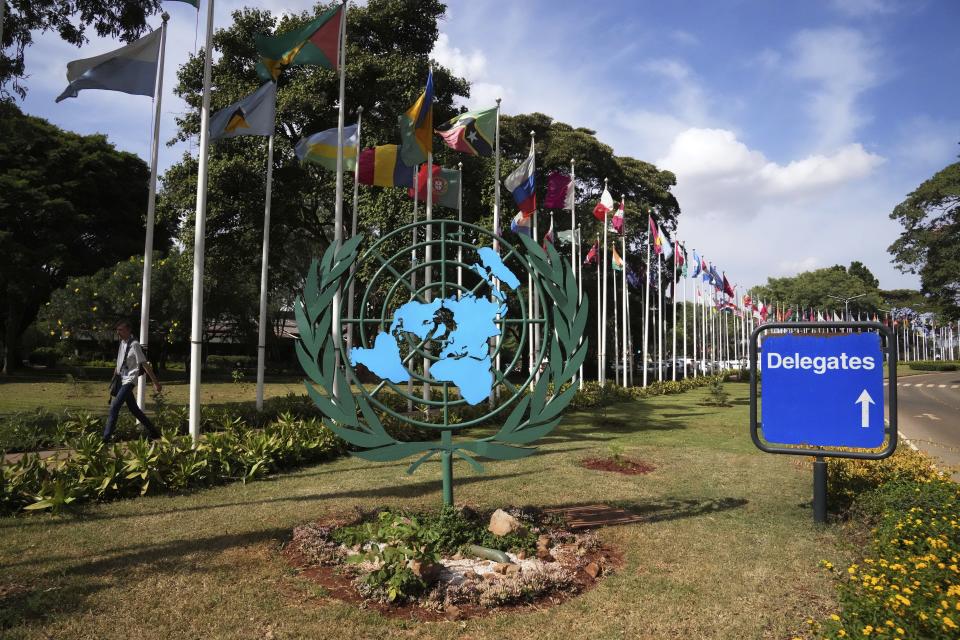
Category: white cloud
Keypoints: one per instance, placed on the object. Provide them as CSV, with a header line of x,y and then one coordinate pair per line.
x,y
472,66
841,64
718,173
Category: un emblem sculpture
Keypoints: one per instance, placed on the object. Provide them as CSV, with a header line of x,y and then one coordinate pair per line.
x,y
446,331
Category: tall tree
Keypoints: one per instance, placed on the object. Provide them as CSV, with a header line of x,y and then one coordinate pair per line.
x,y
819,289
124,19
860,270
930,242
69,205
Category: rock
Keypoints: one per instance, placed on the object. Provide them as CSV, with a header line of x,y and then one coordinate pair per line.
x,y
426,571
490,577
457,556
452,612
471,575
501,567
543,541
544,555
522,554
502,523
592,570
513,569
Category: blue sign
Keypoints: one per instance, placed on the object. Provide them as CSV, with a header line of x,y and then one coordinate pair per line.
x,y
822,390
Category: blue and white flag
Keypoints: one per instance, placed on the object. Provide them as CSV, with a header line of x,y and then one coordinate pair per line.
x,y
520,183
697,269
131,69
251,116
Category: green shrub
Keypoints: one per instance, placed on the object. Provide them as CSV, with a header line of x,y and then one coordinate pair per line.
x,y
45,356
229,363
849,479
934,365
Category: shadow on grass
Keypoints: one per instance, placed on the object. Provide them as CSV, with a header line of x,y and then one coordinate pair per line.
x,y
672,509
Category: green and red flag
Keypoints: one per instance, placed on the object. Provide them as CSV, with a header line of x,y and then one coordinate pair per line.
x,y
446,186
315,43
472,132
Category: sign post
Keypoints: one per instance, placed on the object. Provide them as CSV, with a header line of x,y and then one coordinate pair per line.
x,y
823,394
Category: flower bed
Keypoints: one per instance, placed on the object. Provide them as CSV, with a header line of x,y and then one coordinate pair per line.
x,y
423,564
907,584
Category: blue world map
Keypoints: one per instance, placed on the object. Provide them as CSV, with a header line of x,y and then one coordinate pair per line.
x,y
462,327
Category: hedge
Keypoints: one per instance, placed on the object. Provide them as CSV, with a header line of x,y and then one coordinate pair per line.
x,y
934,365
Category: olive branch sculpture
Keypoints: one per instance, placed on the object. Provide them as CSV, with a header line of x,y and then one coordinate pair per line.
x,y
349,414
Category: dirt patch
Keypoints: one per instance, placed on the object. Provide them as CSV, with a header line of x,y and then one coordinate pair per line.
x,y
626,466
467,587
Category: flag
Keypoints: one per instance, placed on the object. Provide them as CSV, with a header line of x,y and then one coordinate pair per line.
x,y
520,183
617,221
194,3
521,225
633,279
592,254
381,166
321,148
617,261
445,183
559,191
678,258
666,247
251,116
416,127
697,269
471,132
654,237
548,236
603,207
131,69
315,43
727,289
683,261
715,278
567,237
746,300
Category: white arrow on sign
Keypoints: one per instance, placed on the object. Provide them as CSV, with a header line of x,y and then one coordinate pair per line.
x,y
864,401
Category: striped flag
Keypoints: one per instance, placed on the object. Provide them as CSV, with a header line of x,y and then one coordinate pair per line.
x,y
321,148
131,69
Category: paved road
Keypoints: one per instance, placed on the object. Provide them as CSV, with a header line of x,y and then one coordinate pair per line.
x,y
929,414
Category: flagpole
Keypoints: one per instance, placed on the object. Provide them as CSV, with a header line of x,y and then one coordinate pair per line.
x,y
616,327
573,216
626,303
579,272
599,314
413,271
695,371
673,301
646,307
338,204
496,236
264,263
683,305
151,202
353,229
606,268
427,259
659,319
460,228
199,239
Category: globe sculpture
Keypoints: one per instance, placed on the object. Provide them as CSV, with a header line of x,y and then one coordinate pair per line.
x,y
433,331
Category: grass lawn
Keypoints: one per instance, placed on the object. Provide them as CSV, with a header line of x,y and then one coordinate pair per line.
x,y
54,392
728,548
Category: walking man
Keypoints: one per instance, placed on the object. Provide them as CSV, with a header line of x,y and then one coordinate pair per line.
x,y
131,362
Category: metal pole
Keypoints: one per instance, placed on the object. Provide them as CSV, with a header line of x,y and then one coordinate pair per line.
x,y
646,308
338,203
673,301
353,229
199,239
264,264
427,259
446,462
460,229
599,315
659,320
496,236
603,305
616,330
626,302
820,490
413,270
579,272
3,10
151,202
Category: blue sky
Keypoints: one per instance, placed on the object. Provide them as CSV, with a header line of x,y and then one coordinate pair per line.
x,y
794,128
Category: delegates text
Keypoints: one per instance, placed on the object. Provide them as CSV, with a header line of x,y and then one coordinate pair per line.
x,y
820,364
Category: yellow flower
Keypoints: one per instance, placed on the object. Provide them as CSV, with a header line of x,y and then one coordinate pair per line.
x,y
900,631
867,630
947,622
842,633
889,623
93,308
77,290
834,616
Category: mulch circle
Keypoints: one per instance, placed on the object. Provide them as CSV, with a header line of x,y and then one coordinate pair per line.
x,y
337,584
626,466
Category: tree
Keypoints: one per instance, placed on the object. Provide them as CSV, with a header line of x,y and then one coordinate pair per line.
x,y
69,205
930,242
87,309
814,289
389,44
124,19
859,270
